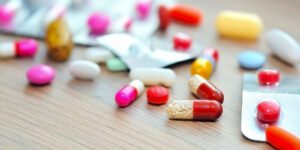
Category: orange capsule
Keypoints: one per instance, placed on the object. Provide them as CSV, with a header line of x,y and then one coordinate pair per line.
x,y
186,14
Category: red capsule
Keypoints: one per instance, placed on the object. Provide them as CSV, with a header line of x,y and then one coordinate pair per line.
x,y
186,14
268,111
182,41
164,17
212,52
268,77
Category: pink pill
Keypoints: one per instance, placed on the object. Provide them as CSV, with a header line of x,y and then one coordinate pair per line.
x,y
182,41
143,8
129,93
98,23
40,74
6,14
26,47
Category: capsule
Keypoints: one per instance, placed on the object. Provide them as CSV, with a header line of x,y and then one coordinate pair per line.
x,y
57,11
122,24
164,17
239,25
59,40
154,76
182,41
214,53
8,11
282,139
195,110
186,14
21,48
204,89
268,111
129,93
268,77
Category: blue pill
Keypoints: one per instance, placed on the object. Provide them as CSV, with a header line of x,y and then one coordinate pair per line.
x,y
251,60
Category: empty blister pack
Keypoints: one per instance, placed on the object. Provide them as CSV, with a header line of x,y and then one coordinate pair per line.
x,y
286,93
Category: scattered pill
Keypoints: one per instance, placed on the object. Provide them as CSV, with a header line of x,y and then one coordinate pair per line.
x,y
268,77
182,41
195,110
98,23
203,66
122,24
40,74
251,60
239,25
268,111
143,8
154,76
59,40
284,46
282,139
212,52
186,14
57,11
97,55
157,95
129,93
164,17
85,70
204,89
116,64
8,11
21,48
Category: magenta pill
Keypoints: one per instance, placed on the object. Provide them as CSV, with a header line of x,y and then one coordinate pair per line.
x,y
143,8
26,47
182,41
129,93
40,74
268,77
98,23
6,14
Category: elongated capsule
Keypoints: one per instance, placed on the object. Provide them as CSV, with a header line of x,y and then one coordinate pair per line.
x,y
204,89
129,93
57,11
195,110
21,48
282,139
59,40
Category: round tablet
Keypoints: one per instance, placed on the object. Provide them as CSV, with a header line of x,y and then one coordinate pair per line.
x,y
40,74
251,60
268,111
157,95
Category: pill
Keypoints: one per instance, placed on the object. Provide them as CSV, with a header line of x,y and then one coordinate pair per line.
x,y
268,111
122,24
195,110
129,93
116,64
251,60
97,55
154,76
203,66
282,139
164,17
57,11
204,89
85,70
143,8
8,11
157,95
186,14
98,23
268,76
284,46
239,25
20,48
214,53
182,41
40,74
59,40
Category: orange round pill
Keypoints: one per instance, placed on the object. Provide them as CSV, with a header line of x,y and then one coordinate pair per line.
x,y
157,95
186,14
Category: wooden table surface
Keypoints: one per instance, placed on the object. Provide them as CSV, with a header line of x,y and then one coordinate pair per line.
x,y
73,114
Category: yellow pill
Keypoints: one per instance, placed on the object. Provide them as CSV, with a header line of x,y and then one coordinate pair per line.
x,y
202,67
239,25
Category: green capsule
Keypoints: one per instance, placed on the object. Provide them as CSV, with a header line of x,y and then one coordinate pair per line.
x,y
115,64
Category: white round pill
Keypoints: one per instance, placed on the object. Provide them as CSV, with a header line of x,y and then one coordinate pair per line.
x,y
284,46
97,55
85,70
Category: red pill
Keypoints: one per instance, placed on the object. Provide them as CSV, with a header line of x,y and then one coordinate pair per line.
x,y
204,89
164,17
186,14
268,111
268,77
212,52
182,41
157,95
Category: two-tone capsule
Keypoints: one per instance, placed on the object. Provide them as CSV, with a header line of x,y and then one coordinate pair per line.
x,y
21,48
129,93
195,110
204,89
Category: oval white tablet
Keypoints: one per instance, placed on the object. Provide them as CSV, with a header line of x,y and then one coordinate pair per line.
x,y
154,76
85,70
284,46
97,55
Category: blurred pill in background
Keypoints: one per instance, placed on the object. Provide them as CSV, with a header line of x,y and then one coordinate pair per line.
x,y
9,10
98,23
186,14
182,41
268,77
40,74
251,60
143,8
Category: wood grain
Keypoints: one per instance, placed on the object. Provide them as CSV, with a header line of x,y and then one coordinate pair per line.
x,y
73,114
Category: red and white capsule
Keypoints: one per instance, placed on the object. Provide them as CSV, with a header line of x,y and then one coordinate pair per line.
x,y
129,93
204,89
21,48
195,110
268,77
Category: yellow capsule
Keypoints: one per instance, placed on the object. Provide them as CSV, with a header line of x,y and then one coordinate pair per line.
x,y
239,25
59,40
202,67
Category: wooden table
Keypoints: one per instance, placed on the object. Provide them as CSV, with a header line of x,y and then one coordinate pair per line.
x,y
73,114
